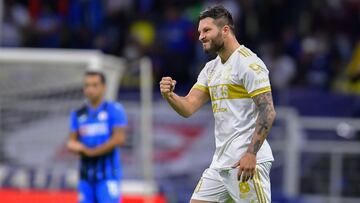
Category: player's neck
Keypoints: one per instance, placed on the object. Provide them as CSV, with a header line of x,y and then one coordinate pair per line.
x,y
95,103
228,49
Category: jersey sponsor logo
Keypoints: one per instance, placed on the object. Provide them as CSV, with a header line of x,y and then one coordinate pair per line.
x,y
257,68
261,80
94,129
103,115
228,91
219,92
217,109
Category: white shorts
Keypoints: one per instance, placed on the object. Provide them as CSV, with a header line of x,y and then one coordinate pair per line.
x,y
223,186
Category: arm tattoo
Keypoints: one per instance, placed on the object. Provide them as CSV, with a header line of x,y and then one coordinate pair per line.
x,y
263,127
264,105
256,147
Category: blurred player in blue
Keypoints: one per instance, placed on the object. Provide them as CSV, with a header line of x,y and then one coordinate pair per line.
x,y
97,129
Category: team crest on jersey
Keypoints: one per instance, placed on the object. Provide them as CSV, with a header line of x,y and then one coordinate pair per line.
x,y
82,118
103,116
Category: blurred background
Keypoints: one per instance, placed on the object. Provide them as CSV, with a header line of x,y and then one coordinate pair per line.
x,y
312,49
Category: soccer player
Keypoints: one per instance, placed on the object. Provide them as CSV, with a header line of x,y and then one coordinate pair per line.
x,y
97,129
237,83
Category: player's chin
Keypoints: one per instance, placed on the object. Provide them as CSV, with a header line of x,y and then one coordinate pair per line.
x,y
206,48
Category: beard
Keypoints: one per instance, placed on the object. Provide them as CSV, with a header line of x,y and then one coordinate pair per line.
x,y
215,45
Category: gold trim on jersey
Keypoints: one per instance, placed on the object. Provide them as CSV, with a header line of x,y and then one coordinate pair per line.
x,y
237,91
201,87
245,52
258,187
259,91
229,91
261,186
197,189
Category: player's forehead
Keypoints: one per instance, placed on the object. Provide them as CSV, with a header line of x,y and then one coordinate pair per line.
x,y
92,79
206,22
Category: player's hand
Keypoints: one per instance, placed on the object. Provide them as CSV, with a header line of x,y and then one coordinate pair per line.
x,y
167,86
75,146
88,152
246,166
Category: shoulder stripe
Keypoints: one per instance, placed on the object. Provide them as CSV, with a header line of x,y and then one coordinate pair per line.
x,y
244,52
259,91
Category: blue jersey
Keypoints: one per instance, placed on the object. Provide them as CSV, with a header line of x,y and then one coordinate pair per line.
x,y
94,127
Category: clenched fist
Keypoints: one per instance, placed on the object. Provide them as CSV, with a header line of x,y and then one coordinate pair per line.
x,y
167,86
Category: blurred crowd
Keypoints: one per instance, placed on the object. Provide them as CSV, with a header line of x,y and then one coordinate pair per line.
x,y
305,44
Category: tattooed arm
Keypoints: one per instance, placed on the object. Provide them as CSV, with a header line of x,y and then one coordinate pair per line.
x,y
266,117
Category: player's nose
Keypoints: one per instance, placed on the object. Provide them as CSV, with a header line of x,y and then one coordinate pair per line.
x,y
201,37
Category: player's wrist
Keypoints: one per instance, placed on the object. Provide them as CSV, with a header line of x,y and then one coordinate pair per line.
x,y
167,95
251,150
87,152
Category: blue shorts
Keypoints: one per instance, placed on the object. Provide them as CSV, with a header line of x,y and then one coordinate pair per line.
x,y
103,191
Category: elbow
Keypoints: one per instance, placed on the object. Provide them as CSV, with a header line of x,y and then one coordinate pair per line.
x,y
122,141
186,114
119,139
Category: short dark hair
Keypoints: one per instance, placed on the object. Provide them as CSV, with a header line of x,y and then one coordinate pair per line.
x,y
220,14
97,73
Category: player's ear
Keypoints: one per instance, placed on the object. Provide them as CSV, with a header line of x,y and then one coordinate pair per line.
x,y
227,29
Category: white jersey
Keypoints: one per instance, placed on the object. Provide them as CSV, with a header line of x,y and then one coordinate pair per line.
x,y
231,87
